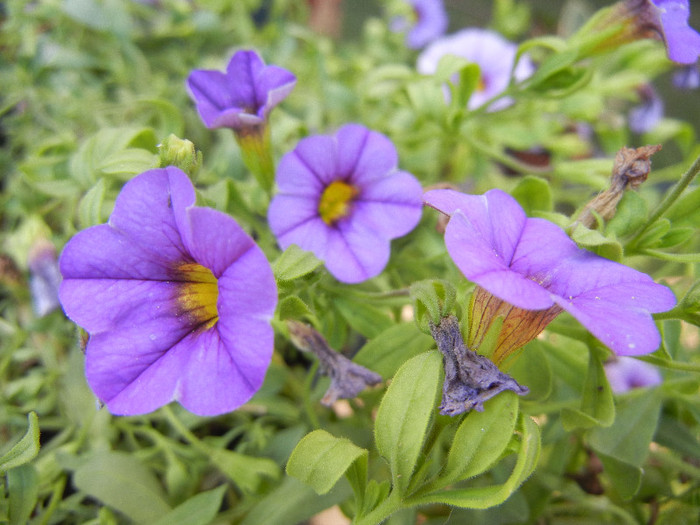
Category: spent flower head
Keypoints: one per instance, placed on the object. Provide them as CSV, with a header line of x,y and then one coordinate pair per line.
x,y
343,198
494,55
177,300
528,270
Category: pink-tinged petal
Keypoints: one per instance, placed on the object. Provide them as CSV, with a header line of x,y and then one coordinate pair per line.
x,y
364,155
295,177
215,240
355,254
396,196
318,153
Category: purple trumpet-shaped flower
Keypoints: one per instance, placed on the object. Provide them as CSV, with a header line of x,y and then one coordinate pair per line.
x,y
343,198
243,96
670,19
490,51
528,270
626,373
430,21
645,116
176,298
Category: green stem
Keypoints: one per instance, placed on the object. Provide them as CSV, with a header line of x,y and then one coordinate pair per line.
x,y
675,463
385,509
256,151
506,160
671,197
184,431
308,405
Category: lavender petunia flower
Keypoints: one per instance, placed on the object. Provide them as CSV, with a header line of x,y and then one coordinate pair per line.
x,y
626,373
490,51
528,270
243,96
687,77
45,277
177,300
430,22
343,198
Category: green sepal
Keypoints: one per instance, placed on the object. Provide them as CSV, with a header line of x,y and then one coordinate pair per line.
x,y
433,299
294,263
405,414
320,460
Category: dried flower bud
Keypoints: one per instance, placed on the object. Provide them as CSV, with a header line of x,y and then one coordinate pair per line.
x,y
348,379
470,378
630,170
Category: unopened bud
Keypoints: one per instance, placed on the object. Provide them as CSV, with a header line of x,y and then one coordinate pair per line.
x,y
180,153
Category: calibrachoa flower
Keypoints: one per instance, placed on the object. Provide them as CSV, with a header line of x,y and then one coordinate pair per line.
x,y
528,270
241,99
343,198
243,96
626,373
645,116
490,51
430,21
176,298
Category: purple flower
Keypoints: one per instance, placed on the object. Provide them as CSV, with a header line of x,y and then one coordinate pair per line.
x,y
490,51
343,198
176,298
687,77
243,97
648,114
430,22
45,277
528,270
626,373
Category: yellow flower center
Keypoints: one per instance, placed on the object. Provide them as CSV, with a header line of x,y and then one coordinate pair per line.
x,y
197,295
336,201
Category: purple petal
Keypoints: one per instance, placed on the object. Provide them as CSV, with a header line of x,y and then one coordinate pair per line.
x,y
215,240
288,212
682,41
317,154
241,73
396,196
355,253
626,373
364,155
273,85
212,94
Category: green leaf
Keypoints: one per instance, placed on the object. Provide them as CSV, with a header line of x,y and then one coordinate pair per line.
x,y
368,320
653,234
625,478
405,413
489,496
686,210
293,502
676,236
533,369
90,207
121,481
481,438
551,66
26,449
593,239
597,405
630,215
433,299
533,193
23,488
294,263
244,471
467,83
385,353
293,307
320,460
635,423
198,510
128,162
